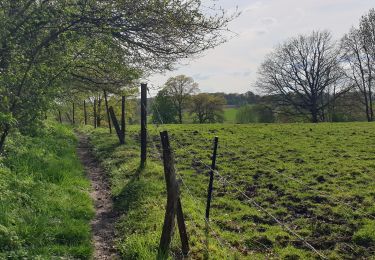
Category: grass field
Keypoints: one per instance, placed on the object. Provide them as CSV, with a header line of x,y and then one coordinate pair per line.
x,y
317,179
45,208
230,115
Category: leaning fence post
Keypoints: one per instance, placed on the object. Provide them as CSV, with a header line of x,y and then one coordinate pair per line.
x,y
182,228
116,125
143,125
210,185
174,206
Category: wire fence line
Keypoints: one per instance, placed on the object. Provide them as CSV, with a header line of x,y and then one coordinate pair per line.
x,y
220,240
225,182
253,202
340,203
159,125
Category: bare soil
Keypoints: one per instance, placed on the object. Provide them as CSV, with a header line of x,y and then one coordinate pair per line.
x,y
103,224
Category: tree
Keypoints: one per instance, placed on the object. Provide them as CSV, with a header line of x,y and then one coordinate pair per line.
x,y
180,89
207,108
258,113
163,109
302,71
43,41
359,67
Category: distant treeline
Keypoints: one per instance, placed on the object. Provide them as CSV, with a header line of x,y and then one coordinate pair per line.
x,y
272,108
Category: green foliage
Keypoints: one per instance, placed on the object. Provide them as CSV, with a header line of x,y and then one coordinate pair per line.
x,y
258,113
163,109
207,108
332,163
52,50
45,208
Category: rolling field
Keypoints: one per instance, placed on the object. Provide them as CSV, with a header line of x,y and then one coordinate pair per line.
x,y
291,191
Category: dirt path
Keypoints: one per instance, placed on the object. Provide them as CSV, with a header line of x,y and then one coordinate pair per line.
x,y
102,225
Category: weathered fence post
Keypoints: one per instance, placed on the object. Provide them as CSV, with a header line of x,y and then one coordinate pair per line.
x,y
210,185
173,203
143,125
60,117
85,111
74,112
123,117
95,112
182,228
107,109
116,125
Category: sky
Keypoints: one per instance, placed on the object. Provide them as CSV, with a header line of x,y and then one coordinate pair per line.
x,y
262,25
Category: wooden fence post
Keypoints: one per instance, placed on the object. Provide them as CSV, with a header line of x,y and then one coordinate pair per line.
x,y
95,112
107,109
116,125
210,185
123,117
74,112
60,117
182,228
85,111
173,203
143,125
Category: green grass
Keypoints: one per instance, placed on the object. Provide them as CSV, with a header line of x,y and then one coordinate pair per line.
x,y
45,207
318,179
230,115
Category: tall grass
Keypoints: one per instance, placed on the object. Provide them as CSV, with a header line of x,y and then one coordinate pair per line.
x,y
45,207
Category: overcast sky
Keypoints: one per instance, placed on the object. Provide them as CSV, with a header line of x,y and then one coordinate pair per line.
x,y
232,67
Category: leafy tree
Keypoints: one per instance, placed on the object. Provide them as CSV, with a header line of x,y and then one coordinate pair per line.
x,y
180,89
207,108
303,70
46,45
163,109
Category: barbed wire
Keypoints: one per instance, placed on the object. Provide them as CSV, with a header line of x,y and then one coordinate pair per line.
x,y
339,202
220,240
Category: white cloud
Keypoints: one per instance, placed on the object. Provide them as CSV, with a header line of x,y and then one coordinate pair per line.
x,y
262,25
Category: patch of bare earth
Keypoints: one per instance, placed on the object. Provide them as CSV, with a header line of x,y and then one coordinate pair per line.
x,y
103,224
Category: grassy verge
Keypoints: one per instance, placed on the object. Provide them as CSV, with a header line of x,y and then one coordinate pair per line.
x,y
141,202
318,179
45,207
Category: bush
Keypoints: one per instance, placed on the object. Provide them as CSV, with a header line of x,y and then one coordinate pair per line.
x,y
259,113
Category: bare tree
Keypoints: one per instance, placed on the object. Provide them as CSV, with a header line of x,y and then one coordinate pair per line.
x,y
180,89
302,71
359,65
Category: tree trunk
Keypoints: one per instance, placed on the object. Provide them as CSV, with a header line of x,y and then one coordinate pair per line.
x,y
180,115
314,115
371,116
3,137
107,110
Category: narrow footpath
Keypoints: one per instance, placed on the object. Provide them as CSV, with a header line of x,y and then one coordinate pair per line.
x,y
103,224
